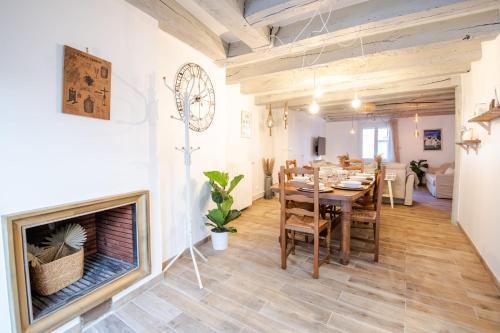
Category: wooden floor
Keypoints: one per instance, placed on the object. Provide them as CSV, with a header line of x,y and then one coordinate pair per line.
x,y
428,280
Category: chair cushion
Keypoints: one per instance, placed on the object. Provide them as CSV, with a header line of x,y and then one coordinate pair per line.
x,y
304,224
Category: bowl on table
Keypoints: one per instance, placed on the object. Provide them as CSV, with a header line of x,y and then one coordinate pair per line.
x,y
350,184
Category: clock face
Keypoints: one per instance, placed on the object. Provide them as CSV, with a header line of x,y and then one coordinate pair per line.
x,y
192,81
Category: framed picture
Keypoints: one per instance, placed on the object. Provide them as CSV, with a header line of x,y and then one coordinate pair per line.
x,y
246,124
432,139
87,84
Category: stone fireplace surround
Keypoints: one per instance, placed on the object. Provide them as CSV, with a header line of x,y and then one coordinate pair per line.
x,y
105,220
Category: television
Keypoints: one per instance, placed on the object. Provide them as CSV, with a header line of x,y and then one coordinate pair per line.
x,y
320,146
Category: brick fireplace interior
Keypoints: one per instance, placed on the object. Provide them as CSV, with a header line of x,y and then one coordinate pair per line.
x,y
110,251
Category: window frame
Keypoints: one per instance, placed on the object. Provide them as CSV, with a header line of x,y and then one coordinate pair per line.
x,y
376,140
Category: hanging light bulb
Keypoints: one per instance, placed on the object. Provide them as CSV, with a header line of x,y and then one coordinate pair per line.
x,y
318,92
270,121
417,132
356,102
314,107
352,131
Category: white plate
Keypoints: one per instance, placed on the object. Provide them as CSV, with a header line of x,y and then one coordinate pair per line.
x,y
350,183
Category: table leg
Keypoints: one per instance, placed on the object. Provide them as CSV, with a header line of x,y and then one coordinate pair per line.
x,y
389,184
346,232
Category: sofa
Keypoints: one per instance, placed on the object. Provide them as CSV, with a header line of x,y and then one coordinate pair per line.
x,y
439,181
402,187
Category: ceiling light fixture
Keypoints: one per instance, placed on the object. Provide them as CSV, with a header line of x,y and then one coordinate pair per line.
x,y
352,131
356,102
314,107
417,132
318,92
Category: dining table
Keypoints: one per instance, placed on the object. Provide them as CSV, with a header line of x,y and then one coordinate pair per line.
x,y
338,197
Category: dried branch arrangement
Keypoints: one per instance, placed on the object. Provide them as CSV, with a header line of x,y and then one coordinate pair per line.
x,y
268,166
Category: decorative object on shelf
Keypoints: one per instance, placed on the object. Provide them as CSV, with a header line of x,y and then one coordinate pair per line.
x,y
268,166
468,144
219,217
432,139
246,124
86,84
285,115
269,121
484,118
201,96
420,168
59,262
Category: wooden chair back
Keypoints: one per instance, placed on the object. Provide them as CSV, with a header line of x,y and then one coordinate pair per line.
x,y
287,196
290,164
356,164
379,190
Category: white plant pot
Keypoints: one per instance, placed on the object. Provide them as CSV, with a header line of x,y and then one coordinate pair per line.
x,y
219,240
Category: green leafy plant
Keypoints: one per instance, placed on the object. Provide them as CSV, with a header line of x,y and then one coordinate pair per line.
x,y
221,188
420,168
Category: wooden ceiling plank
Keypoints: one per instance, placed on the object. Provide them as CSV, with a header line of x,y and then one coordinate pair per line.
x,y
230,14
370,18
175,20
379,91
261,13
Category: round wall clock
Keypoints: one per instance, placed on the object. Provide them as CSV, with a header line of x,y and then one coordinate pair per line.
x,y
193,81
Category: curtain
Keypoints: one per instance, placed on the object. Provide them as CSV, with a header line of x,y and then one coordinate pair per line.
x,y
394,140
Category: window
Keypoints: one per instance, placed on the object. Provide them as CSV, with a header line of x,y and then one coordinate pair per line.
x,y
375,141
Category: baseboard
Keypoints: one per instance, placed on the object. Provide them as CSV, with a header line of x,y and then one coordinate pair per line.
x,y
258,196
199,243
485,264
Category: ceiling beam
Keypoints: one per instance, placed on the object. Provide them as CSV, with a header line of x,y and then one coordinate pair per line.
x,y
358,116
359,82
361,21
261,13
230,14
436,37
388,90
176,21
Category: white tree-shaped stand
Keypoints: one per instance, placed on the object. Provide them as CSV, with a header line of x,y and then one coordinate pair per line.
x,y
187,150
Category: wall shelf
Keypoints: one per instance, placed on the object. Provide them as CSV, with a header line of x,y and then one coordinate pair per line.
x,y
485,118
468,144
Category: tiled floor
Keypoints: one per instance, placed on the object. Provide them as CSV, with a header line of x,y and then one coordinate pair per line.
x,y
429,279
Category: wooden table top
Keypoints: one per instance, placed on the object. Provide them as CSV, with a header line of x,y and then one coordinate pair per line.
x,y
336,194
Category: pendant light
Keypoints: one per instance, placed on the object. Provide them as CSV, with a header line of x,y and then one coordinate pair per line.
x,y
417,132
318,92
352,131
269,121
356,102
285,115
314,107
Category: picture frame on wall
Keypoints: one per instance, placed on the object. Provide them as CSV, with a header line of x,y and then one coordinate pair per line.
x,y
432,139
246,124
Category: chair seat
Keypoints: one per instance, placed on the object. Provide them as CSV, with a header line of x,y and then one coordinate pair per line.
x,y
363,215
304,224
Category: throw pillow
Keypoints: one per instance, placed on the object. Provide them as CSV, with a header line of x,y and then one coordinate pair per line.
x,y
449,171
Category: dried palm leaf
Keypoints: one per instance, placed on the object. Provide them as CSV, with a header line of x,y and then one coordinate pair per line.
x,y
35,255
65,239
268,166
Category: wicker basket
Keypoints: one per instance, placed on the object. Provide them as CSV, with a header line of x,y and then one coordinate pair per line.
x,y
49,278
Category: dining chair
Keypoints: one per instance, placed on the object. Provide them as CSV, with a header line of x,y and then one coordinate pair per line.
x,y
295,219
371,217
370,202
356,164
290,164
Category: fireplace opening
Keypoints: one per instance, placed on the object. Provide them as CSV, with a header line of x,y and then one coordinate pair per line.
x,y
109,252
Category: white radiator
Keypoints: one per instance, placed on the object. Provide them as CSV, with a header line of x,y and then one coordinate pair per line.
x,y
242,194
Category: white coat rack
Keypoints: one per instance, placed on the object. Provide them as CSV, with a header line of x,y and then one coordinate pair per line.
x,y
187,150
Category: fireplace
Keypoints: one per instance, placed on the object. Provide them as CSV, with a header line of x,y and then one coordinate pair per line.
x,y
115,255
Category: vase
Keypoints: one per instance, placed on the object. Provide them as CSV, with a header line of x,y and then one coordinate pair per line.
x,y
268,182
219,240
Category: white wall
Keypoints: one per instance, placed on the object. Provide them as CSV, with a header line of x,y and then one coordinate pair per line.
x,y
303,128
50,158
340,141
412,148
478,212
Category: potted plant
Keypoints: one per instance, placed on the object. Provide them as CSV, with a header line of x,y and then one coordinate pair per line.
x,y
420,168
220,216
268,166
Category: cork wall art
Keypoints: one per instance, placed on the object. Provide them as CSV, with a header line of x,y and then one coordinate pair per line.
x,y
87,84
